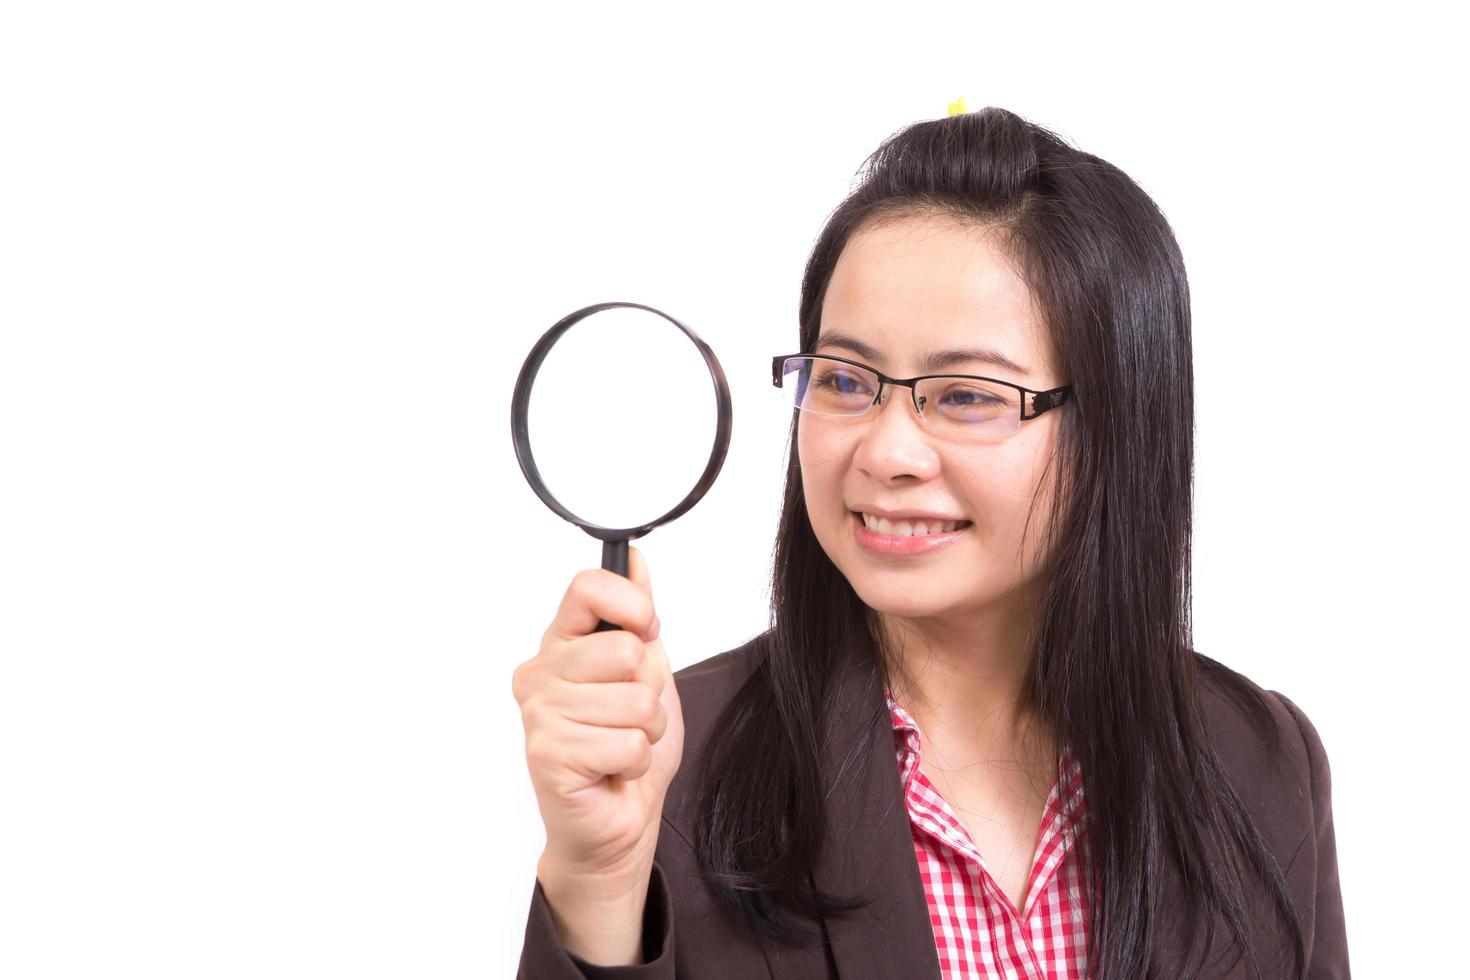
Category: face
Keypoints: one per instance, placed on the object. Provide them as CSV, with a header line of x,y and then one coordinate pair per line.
x,y
906,289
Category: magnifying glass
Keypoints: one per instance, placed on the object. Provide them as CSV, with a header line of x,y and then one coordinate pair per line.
x,y
617,396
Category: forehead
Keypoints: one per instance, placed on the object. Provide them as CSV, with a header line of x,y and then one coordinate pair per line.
x,y
929,282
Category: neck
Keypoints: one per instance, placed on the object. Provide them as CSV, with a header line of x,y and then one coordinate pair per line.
x,y
964,684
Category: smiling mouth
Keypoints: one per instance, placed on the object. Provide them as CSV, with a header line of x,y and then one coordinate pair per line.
x,y
905,529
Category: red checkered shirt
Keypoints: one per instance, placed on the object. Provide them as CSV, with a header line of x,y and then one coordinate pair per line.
x,y
976,930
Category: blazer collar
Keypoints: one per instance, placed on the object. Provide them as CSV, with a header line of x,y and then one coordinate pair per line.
x,y
868,848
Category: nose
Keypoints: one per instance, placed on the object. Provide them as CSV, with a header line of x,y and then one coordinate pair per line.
x,y
894,442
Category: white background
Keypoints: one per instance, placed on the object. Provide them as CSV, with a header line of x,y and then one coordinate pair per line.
x,y
268,272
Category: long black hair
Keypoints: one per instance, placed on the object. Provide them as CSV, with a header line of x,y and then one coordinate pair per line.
x,y
1112,667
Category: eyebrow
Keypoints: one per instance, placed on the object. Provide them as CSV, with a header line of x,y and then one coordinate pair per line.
x,y
934,362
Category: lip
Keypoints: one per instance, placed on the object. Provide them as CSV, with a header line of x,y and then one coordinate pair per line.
x,y
895,545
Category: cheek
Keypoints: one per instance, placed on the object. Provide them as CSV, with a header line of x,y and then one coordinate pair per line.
x,y
1000,491
814,475
821,456
1015,487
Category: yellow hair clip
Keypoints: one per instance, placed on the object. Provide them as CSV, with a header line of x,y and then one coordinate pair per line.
x,y
957,107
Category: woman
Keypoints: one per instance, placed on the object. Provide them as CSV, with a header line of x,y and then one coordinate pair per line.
x,y
976,746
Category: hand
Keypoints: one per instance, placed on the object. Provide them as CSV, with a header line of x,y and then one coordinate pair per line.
x,y
604,731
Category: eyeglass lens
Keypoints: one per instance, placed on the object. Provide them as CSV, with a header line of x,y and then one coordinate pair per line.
x,y
960,406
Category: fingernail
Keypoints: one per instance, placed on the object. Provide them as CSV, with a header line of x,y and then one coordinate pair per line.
x,y
652,633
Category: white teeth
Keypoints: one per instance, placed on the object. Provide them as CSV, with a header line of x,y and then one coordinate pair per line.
x,y
907,528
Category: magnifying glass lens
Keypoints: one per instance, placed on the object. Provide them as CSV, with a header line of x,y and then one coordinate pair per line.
x,y
622,416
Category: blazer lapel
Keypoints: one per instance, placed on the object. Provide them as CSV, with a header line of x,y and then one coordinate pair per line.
x,y
868,848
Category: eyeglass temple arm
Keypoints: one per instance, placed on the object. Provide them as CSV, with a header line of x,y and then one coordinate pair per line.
x,y
1044,400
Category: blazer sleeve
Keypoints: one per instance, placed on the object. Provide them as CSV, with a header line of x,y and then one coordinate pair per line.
x,y
543,957
1327,951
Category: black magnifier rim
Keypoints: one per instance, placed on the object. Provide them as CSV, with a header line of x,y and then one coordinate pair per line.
x,y
521,400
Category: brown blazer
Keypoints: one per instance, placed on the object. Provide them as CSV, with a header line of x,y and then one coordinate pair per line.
x,y
691,935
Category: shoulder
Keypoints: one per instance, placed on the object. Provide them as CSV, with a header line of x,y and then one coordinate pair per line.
x,y
1226,702
707,686
1271,752
1274,759
713,672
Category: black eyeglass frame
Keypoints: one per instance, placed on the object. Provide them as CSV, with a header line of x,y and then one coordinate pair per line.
x,y
1041,401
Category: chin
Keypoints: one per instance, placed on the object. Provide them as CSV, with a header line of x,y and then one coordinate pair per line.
x,y
899,599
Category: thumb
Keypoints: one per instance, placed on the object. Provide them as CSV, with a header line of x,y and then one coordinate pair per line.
x,y
638,575
638,569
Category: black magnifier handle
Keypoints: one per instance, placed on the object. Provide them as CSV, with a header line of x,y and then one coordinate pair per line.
x,y
614,559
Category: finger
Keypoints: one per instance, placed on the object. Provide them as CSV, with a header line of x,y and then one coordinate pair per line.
x,y
638,574
638,569
600,751
622,705
603,658
657,655
598,594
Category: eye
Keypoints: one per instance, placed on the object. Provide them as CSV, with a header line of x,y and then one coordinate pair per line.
x,y
841,382
965,397
976,402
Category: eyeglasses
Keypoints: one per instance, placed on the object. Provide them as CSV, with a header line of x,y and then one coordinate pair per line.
x,y
966,406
